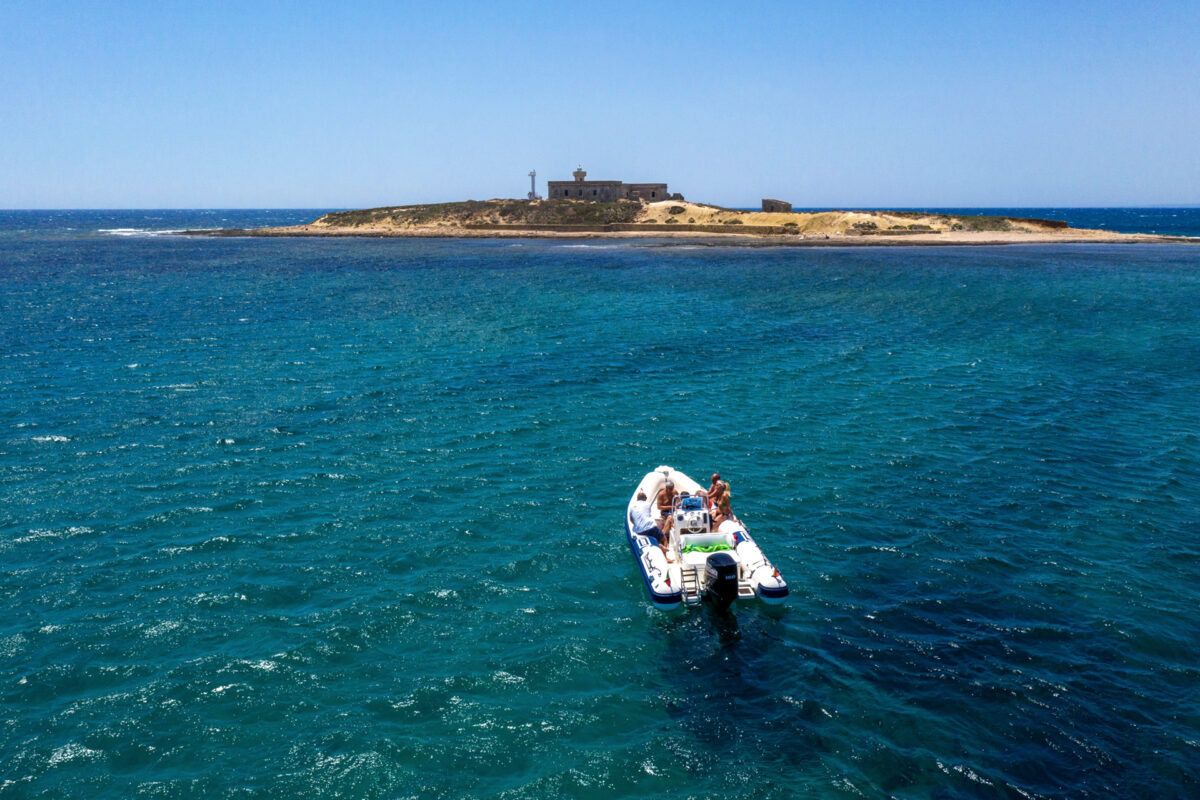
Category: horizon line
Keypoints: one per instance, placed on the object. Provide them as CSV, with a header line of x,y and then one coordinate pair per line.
x,y
797,209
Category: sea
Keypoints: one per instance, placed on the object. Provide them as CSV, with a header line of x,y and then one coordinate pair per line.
x,y
288,518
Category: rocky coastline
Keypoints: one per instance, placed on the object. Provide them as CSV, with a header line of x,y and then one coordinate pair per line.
x,y
675,219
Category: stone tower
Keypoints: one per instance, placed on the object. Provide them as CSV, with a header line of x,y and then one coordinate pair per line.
x,y
579,174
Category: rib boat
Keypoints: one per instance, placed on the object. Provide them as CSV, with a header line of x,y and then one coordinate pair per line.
x,y
722,564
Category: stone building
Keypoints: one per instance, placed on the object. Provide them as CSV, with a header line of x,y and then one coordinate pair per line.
x,y
776,205
605,191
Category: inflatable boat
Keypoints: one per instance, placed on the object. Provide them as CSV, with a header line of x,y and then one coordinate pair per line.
x,y
721,564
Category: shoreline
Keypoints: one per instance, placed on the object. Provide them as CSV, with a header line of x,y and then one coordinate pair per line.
x,y
916,239
682,221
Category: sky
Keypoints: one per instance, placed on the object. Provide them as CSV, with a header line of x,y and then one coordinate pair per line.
x,y
833,104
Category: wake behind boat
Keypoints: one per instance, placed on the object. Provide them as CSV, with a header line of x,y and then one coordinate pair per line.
x,y
699,558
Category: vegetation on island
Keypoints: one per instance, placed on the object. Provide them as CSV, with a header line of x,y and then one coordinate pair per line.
x,y
506,212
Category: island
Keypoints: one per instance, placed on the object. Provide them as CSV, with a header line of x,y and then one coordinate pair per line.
x,y
680,219
615,209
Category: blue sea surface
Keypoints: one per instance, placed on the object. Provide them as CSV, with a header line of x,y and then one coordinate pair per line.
x,y
343,518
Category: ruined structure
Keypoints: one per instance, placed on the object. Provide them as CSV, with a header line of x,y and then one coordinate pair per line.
x,y
776,206
606,191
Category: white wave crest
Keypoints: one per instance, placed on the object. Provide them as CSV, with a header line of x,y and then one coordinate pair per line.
x,y
135,232
71,752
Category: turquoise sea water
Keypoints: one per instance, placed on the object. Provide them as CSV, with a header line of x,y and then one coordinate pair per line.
x,y
288,518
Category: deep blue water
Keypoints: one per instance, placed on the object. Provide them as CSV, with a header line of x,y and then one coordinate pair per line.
x,y
303,518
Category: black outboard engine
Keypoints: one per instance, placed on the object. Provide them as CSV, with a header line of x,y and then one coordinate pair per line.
x,y
721,579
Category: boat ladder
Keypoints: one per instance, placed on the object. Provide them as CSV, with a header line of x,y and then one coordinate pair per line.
x,y
691,585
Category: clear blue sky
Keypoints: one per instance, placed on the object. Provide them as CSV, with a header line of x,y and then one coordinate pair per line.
x,y
304,104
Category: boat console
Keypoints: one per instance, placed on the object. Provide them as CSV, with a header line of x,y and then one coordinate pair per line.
x,y
691,515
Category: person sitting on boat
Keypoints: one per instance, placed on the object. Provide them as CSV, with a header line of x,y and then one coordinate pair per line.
x,y
716,492
716,481
721,508
642,521
666,504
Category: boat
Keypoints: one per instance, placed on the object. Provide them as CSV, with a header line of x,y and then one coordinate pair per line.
x,y
721,565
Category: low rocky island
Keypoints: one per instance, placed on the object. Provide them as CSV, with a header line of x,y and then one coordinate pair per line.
x,y
675,219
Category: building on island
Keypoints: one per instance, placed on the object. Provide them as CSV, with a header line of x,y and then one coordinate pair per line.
x,y
776,205
606,191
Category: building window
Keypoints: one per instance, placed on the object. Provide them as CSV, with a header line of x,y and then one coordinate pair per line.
x,y
593,192
581,192
652,194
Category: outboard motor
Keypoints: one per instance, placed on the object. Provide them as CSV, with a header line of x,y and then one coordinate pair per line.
x,y
721,579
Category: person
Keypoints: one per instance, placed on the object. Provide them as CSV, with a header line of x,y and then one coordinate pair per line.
x,y
642,522
666,504
721,508
716,481
716,492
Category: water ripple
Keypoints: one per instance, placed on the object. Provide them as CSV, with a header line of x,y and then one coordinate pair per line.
x,y
337,518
